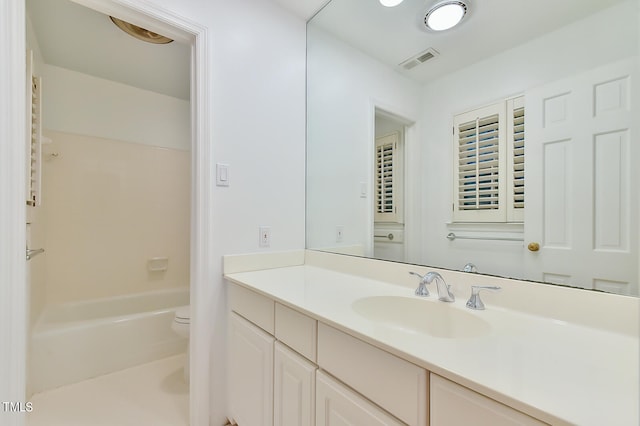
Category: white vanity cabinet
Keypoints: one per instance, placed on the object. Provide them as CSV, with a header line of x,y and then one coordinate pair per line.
x,y
269,382
454,405
288,369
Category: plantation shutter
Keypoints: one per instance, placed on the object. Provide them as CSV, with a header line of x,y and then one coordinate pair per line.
x,y
34,141
516,139
479,181
387,178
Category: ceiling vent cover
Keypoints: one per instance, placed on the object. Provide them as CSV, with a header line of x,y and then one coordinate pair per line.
x,y
420,58
140,33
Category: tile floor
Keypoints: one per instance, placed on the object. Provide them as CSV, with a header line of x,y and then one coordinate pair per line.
x,y
150,394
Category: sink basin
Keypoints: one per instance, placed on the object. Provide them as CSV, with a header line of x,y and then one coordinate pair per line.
x,y
415,315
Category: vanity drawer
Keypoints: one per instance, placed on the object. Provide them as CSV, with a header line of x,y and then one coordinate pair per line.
x,y
336,404
254,307
393,383
297,331
452,404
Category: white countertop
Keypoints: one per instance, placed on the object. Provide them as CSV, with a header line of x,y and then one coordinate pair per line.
x,y
558,372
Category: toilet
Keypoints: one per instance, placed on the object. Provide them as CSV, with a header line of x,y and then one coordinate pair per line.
x,y
181,323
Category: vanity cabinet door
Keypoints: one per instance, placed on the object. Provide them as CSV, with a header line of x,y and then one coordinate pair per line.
x,y
294,389
454,405
251,373
337,405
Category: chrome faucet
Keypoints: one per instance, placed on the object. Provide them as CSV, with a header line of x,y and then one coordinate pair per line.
x,y
422,290
444,290
474,301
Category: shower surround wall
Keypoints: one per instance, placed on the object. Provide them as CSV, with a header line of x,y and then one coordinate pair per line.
x,y
109,207
116,188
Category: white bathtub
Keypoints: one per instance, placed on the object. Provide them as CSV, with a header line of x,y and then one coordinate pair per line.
x,y
76,341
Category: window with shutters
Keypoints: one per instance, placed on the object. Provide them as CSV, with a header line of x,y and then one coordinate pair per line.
x,y
34,135
515,167
388,179
489,163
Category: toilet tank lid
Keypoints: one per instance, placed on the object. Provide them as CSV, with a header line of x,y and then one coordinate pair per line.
x,y
184,312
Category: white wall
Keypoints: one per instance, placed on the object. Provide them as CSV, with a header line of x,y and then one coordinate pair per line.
x,y
344,87
570,50
256,53
79,103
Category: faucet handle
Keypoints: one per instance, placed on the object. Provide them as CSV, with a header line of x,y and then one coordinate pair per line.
x,y
422,290
474,301
470,267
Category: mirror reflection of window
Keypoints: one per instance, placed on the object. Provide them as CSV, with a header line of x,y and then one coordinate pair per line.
x,y
488,169
387,181
388,203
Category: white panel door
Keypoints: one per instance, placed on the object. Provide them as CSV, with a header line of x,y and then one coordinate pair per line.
x,y
337,405
294,385
581,197
251,373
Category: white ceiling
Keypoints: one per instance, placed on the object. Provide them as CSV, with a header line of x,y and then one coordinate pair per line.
x,y
77,38
80,39
303,8
393,35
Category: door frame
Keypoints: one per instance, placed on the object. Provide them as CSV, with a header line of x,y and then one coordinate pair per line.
x,y
411,158
13,284
14,287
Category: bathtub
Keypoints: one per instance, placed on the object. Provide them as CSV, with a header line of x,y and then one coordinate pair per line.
x,y
76,341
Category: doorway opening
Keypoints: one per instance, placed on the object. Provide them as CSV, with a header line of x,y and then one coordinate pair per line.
x,y
392,133
105,164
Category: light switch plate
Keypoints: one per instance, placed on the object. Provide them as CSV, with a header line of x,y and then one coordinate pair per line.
x,y
222,174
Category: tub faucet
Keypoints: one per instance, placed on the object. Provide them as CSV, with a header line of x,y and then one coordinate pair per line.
x,y
444,290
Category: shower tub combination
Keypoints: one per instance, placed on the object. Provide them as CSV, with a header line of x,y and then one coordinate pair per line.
x,y
76,341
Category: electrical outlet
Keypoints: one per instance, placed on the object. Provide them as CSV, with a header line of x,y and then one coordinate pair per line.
x,y
265,236
339,233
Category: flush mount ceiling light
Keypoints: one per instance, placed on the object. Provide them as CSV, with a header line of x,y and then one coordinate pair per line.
x,y
140,33
445,15
390,3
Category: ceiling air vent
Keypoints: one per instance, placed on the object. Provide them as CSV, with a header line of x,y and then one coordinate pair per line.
x,y
420,58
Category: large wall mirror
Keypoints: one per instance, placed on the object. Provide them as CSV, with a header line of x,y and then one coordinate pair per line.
x,y
509,141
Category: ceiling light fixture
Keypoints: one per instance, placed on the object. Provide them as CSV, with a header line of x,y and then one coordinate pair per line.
x,y
390,3
140,33
445,15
